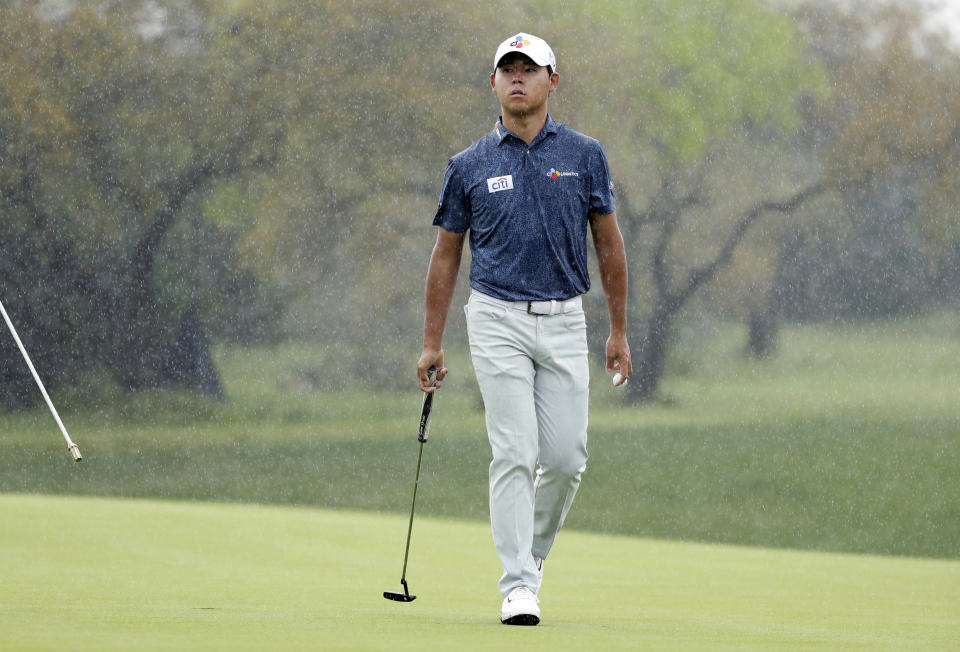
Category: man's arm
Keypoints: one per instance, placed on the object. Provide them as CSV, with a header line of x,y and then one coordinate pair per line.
x,y
441,283
612,257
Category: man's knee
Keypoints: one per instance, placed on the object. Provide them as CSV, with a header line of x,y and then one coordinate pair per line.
x,y
504,466
569,467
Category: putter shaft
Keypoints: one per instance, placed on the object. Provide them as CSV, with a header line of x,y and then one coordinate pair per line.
x,y
406,553
422,438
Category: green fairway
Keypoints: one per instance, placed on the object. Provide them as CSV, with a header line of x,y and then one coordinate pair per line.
x,y
847,441
107,574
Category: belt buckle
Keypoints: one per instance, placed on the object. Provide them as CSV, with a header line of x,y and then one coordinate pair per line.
x,y
554,304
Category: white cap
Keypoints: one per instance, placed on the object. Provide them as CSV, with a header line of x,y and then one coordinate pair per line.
x,y
530,45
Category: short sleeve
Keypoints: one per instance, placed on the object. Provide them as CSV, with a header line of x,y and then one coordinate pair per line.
x,y
601,185
453,211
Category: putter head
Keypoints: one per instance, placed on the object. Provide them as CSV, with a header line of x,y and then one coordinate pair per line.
x,y
400,597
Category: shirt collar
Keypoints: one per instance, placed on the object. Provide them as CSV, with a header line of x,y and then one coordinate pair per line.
x,y
550,127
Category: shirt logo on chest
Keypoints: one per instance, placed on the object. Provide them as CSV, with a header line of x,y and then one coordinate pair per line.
x,y
554,173
496,184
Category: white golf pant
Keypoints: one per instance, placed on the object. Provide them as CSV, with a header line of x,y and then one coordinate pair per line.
x,y
534,378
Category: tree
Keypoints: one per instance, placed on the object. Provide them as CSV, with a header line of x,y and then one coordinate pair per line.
x,y
358,183
888,145
202,169
112,138
678,88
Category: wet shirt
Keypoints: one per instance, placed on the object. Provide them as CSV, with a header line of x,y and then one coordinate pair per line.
x,y
527,209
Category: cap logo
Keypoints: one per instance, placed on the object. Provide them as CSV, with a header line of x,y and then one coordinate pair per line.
x,y
518,42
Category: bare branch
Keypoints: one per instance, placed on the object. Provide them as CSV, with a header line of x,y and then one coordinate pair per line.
x,y
706,272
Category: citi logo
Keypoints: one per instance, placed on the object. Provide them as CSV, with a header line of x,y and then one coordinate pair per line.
x,y
553,173
496,184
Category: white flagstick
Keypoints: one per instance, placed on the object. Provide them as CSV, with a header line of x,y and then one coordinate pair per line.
x,y
13,331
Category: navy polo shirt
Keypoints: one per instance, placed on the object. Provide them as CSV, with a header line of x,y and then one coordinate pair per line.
x,y
527,209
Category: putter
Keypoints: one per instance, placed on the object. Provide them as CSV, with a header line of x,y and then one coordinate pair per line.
x,y
74,450
406,596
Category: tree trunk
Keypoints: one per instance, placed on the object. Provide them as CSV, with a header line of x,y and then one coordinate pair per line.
x,y
188,361
651,358
763,327
139,352
137,355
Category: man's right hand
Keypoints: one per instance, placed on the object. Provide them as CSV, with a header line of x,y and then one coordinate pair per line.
x,y
430,359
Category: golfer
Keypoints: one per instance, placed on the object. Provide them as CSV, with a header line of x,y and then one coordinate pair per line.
x,y
528,192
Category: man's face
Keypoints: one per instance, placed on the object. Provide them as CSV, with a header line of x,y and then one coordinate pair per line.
x,y
521,85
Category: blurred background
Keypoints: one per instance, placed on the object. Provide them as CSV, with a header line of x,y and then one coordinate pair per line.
x,y
215,222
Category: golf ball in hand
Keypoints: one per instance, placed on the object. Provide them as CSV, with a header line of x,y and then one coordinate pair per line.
x,y
616,378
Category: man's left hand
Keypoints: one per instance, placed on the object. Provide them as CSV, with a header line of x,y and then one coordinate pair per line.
x,y
618,357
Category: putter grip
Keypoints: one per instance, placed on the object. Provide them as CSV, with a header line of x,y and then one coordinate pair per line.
x,y
427,407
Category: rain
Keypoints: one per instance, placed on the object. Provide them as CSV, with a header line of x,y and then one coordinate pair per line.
x,y
215,227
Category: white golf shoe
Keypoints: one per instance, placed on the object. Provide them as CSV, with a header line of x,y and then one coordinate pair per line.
x,y
520,607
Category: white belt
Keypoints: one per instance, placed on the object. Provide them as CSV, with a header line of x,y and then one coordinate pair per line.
x,y
552,307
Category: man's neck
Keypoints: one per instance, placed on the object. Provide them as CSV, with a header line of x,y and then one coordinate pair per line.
x,y
525,126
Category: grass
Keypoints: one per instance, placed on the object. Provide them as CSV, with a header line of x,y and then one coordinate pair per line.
x,y
847,441
107,574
